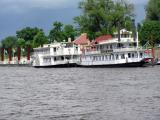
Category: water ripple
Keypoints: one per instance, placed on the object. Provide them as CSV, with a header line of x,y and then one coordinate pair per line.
x,y
80,93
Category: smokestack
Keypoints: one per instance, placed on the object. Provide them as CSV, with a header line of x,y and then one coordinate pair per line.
x,y
134,30
119,35
69,40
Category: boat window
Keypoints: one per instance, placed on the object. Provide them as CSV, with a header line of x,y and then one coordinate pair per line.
x,y
136,55
111,47
129,55
69,45
117,57
132,55
103,58
46,60
112,57
54,49
55,58
94,58
62,58
107,46
106,57
101,47
141,55
122,56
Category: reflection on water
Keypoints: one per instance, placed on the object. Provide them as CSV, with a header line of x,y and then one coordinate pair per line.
x,y
80,93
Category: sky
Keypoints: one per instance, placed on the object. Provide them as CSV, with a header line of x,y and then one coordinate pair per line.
x,y
17,14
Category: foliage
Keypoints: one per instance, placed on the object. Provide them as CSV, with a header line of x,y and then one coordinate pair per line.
x,y
56,34
28,33
60,32
103,16
9,42
40,39
21,42
153,10
33,37
150,31
69,32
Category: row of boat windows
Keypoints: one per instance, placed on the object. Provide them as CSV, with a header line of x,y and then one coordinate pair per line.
x,y
62,58
47,60
123,36
114,57
45,51
112,46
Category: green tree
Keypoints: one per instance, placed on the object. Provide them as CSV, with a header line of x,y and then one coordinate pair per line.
x,y
150,32
104,16
40,39
69,32
21,42
56,34
153,10
28,33
9,42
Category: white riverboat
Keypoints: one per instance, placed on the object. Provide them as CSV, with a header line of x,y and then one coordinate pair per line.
x,y
115,53
64,54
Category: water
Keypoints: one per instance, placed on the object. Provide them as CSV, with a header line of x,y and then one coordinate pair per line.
x,y
80,93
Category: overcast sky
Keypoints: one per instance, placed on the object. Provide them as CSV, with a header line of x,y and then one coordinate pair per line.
x,y
17,14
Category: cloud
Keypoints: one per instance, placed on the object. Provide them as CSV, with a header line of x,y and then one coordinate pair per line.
x,y
25,5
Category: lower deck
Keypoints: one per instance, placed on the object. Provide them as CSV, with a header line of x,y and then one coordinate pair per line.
x,y
111,59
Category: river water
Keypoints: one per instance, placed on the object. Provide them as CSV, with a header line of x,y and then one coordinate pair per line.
x,y
28,93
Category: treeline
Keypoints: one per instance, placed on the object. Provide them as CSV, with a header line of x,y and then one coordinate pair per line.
x,y
99,17
149,29
35,37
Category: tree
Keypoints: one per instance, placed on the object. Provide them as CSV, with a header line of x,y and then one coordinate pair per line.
x,y
69,32
150,32
20,46
9,42
56,34
153,10
21,42
28,33
40,39
104,16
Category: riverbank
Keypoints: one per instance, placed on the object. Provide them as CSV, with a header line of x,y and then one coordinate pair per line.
x,y
15,65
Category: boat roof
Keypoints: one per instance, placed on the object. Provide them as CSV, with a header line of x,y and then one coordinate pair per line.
x,y
82,40
55,44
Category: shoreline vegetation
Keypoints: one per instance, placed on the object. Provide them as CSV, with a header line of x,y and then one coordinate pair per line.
x,y
99,17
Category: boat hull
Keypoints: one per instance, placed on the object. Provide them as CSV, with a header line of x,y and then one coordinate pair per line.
x,y
58,66
132,64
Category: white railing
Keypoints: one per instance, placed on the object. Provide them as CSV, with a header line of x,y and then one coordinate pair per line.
x,y
126,49
92,52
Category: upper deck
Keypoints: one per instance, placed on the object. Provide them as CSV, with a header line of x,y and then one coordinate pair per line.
x,y
57,49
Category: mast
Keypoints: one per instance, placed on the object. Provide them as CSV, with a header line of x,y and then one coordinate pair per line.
x,y
134,33
119,35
